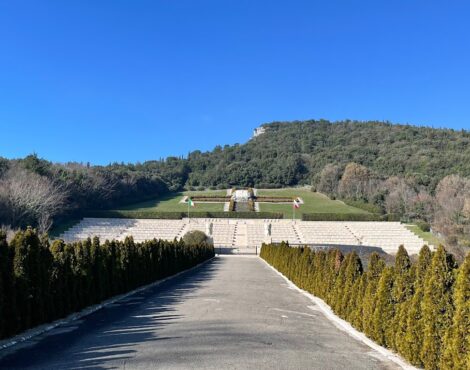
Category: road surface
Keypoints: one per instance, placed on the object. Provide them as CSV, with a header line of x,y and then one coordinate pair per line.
x,y
231,313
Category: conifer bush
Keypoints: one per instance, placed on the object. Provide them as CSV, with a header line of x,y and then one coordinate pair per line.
x,y
420,310
457,339
41,282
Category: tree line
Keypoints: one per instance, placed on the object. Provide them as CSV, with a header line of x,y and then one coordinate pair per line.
x,y
37,192
40,282
420,310
446,209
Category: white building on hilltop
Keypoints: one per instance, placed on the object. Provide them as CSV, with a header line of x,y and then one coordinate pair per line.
x,y
258,131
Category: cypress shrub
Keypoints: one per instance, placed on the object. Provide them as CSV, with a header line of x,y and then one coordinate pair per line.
x,y
384,310
412,308
401,293
456,354
7,289
41,282
350,271
414,323
356,302
437,306
375,268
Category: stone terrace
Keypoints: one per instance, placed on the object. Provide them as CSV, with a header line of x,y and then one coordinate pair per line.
x,y
247,235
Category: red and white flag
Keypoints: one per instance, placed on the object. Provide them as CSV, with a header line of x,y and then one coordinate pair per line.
x,y
296,204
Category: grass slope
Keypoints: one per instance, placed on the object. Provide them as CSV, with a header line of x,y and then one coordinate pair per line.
x,y
427,236
171,203
313,203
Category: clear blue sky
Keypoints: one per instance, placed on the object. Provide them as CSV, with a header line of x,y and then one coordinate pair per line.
x,y
105,81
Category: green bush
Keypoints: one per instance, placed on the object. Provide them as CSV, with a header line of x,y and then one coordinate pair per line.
x,y
395,217
424,226
196,237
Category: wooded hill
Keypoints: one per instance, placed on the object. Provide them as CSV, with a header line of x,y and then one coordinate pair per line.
x,y
291,153
34,191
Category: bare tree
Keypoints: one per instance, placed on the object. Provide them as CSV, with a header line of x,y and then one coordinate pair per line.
x,y
101,183
355,182
400,196
452,205
329,179
29,197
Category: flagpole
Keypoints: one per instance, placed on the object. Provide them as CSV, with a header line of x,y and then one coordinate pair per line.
x,y
189,220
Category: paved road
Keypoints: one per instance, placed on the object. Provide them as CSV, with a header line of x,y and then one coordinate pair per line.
x,y
232,313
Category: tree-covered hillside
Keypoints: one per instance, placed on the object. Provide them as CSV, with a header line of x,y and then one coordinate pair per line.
x,y
290,153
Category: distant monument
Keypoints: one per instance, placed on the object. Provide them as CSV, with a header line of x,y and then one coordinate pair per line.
x,y
258,131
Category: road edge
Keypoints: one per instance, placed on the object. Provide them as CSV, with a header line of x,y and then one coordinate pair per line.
x,y
345,326
10,343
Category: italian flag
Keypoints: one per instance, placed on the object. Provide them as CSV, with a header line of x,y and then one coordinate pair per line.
x,y
296,204
190,202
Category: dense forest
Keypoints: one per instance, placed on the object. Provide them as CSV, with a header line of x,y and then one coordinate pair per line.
x,y
418,173
420,310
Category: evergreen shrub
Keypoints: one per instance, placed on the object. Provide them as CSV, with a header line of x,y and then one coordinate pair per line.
x,y
420,310
40,282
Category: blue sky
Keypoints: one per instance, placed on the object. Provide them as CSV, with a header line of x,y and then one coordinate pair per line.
x,y
105,81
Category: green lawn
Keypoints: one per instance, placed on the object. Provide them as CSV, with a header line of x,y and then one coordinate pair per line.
x,y
427,236
171,203
313,203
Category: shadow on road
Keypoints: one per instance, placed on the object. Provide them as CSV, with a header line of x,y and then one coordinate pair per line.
x,y
109,334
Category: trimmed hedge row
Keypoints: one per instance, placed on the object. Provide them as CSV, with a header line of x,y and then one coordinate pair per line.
x,y
210,198
136,214
180,215
273,215
275,199
40,282
341,217
420,310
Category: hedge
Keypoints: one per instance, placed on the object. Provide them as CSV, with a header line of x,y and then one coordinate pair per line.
x,y
272,215
266,199
341,217
180,215
136,214
210,198
40,282
420,310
